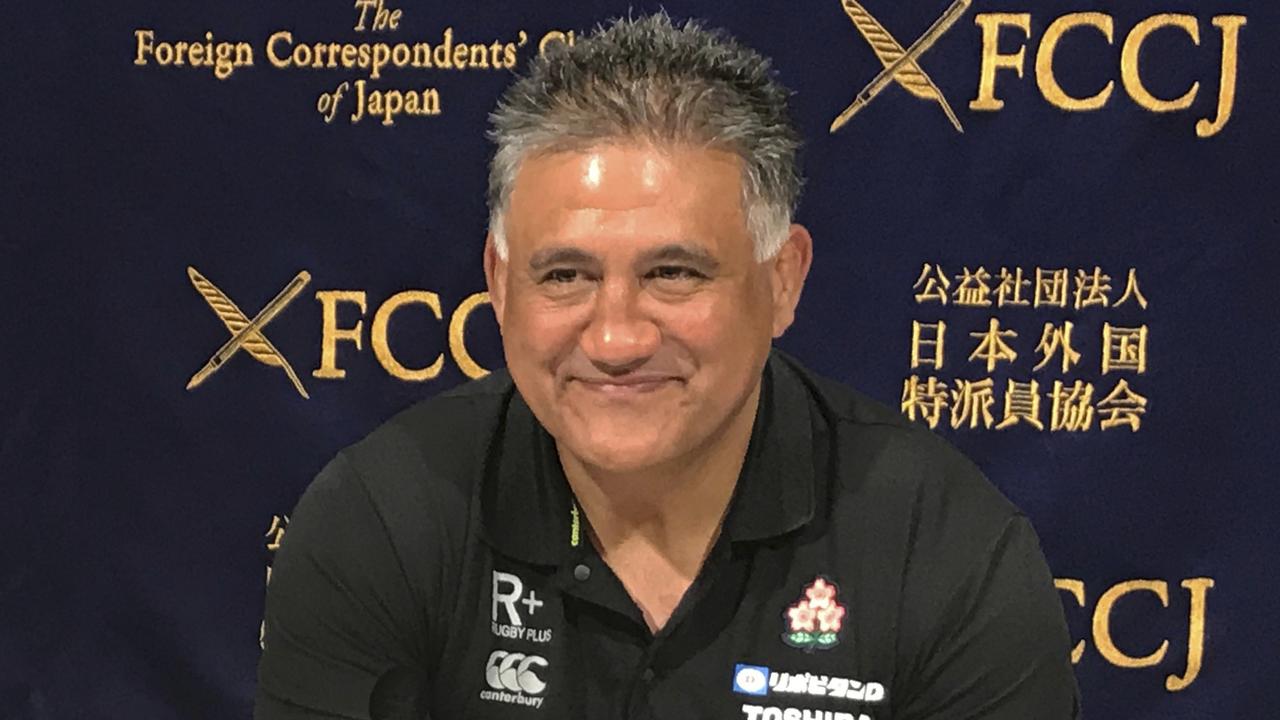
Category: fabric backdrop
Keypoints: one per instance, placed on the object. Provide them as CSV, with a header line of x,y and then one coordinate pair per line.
x,y
1050,235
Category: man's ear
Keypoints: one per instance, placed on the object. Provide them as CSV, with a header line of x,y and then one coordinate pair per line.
x,y
790,268
495,276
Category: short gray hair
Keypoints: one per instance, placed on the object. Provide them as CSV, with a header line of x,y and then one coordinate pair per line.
x,y
651,80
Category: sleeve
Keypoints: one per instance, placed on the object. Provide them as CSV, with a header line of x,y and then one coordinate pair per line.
x,y
343,633
995,644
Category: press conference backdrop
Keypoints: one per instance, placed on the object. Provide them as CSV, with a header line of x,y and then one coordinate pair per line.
x,y
1049,236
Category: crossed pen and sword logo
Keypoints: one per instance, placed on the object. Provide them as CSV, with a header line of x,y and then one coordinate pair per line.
x,y
246,334
900,66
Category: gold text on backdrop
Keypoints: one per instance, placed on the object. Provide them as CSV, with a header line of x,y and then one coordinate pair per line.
x,y
1103,639
1030,398
332,334
997,30
993,61
339,331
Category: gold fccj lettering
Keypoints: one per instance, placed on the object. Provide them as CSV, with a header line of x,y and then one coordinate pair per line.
x,y
1097,29
1104,636
333,333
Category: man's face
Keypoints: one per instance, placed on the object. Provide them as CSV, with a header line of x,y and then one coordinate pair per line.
x,y
635,320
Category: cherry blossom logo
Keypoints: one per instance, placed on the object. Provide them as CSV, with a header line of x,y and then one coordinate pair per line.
x,y
814,622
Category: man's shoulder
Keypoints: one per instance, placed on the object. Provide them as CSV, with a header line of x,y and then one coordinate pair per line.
x,y
883,455
435,445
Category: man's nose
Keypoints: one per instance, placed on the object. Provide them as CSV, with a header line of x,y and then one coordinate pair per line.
x,y
620,334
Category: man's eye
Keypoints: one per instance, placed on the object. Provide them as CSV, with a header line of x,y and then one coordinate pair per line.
x,y
560,275
675,272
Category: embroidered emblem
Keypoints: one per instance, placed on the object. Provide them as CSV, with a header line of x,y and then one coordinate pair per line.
x,y
815,621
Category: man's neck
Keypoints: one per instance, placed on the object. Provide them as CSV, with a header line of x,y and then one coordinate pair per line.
x,y
670,513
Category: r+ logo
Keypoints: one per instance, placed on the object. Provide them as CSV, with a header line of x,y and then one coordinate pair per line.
x,y
508,591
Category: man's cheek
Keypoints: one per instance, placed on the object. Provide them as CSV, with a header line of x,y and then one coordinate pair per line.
x,y
698,327
538,333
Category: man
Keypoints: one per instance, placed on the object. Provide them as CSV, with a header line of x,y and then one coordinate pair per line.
x,y
651,514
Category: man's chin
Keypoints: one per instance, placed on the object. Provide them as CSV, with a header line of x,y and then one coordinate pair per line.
x,y
630,452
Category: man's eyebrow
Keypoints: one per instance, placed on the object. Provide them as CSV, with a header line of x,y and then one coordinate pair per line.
x,y
682,252
547,257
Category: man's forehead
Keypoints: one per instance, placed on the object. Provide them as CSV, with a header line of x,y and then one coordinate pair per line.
x,y
673,194
625,174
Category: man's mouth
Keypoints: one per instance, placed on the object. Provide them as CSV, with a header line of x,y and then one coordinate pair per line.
x,y
626,386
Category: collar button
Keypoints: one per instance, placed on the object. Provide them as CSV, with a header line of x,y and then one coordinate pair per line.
x,y
581,573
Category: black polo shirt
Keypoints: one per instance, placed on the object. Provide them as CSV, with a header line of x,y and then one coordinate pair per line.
x,y
440,568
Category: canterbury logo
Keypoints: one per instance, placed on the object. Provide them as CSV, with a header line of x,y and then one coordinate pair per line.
x,y
246,333
900,66
514,672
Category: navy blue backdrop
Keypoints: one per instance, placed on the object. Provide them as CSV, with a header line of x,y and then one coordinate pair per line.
x,y
1077,289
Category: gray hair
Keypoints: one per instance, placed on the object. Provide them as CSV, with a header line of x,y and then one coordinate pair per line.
x,y
650,80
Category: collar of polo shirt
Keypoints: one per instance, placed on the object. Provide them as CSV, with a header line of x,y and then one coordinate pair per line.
x,y
527,509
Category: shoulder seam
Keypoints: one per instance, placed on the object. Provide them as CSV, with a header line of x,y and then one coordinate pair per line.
x,y
359,478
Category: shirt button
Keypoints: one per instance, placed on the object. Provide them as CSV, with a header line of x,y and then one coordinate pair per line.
x,y
648,675
581,573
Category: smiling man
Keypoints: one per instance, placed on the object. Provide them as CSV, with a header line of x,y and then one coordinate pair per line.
x,y
650,513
